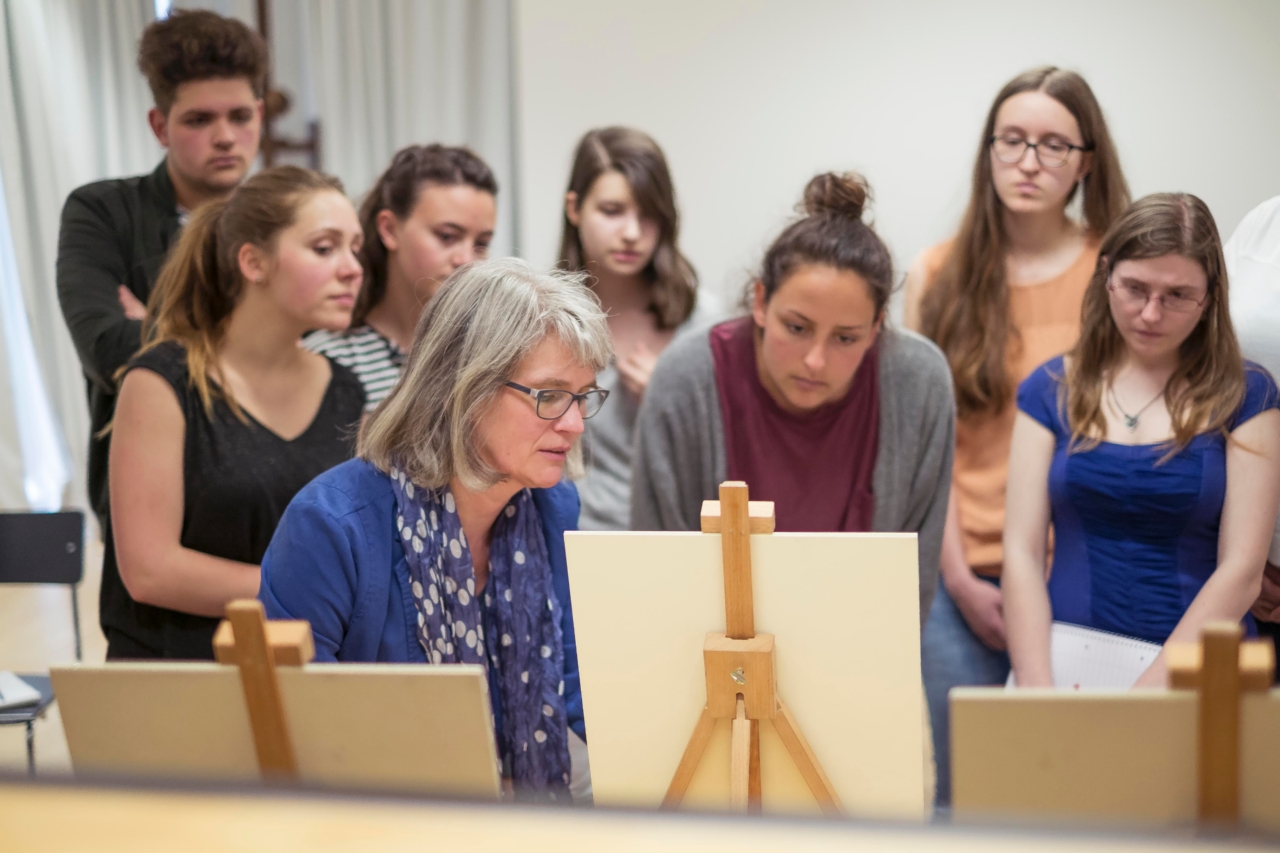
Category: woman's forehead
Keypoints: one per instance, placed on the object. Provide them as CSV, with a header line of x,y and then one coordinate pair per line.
x,y
1166,271
551,364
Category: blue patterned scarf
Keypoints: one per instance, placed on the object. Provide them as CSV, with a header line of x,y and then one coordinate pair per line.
x,y
516,630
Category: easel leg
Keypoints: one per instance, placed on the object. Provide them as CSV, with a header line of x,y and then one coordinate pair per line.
x,y
740,760
690,760
806,761
755,799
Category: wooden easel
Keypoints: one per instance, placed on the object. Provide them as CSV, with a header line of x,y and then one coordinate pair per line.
x,y
740,670
1220,668
247,640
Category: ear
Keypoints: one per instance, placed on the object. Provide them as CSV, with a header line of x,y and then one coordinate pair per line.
x,y
1086,164
253,263
571,210
388,229
758,303
262,122
159,126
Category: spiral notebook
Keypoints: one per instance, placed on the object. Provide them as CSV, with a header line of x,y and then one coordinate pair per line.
x,y
1088,659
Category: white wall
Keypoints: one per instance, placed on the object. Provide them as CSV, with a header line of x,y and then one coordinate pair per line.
x,y
750,99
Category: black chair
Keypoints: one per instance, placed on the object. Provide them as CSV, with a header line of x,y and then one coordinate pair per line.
x,y
41,547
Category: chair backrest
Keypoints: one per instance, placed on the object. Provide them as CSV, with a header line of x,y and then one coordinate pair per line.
x,y
42,547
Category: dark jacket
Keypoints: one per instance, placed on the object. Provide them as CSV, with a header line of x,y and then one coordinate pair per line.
x,y
113,232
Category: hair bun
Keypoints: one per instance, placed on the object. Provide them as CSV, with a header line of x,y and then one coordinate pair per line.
x,y
836,195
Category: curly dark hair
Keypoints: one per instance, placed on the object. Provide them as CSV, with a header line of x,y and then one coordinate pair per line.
x,y
196,44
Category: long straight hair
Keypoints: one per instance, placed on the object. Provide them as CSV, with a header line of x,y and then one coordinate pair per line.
x,y
966,310
673,285
200,284
1208,384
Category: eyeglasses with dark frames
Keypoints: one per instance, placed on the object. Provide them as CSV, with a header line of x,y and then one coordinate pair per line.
x,y
1052,153
552,403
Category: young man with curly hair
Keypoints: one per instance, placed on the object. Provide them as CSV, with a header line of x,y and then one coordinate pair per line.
x,y
206,74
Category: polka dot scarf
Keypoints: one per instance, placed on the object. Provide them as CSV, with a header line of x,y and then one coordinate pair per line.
x,y
516,629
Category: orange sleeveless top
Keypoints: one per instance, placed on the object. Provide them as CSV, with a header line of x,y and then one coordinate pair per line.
x,y
1046,315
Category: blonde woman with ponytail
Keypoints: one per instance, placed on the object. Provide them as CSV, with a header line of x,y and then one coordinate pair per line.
x,y
222,416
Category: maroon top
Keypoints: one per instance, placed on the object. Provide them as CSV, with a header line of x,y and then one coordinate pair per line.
x,y
816,467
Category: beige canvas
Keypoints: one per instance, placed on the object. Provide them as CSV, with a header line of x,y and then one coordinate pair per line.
x,y
844,610
1097,755
171,720
383,727
1260,760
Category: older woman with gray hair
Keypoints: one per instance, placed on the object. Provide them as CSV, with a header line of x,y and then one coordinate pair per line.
x,y
443,542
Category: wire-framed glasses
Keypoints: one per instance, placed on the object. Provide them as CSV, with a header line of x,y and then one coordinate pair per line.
x,y
552,403
1052,151
1134,297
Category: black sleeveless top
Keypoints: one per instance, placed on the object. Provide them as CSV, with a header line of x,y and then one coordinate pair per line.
x,y
237,479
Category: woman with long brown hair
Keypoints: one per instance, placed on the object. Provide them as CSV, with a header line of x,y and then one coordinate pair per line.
x,y
1153,449
222,416
621,226
999,298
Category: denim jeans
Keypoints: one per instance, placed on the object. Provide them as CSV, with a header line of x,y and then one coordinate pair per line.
x,y
951,655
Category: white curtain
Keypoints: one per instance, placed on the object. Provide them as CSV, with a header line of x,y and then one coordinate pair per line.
x,y
72,110
378,76
397,72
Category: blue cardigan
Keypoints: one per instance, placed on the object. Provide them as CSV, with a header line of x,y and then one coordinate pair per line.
x,y
335,560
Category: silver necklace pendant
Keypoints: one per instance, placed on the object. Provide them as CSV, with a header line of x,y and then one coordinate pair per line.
x,y
1131,421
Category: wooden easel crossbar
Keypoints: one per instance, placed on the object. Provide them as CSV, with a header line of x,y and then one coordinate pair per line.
x,y
246,639
741,673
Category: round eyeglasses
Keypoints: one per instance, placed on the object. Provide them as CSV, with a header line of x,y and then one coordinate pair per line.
x,y
1135,297
552,403
1052,152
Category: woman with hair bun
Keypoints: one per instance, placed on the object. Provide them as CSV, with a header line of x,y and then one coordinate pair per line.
x,y
813,399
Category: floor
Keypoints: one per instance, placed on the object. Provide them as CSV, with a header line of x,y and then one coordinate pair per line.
x,y
35,632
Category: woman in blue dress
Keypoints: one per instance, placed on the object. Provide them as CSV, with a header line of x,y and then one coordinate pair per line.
x,y
1153,449
444,541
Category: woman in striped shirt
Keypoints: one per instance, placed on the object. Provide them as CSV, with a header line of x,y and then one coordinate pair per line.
x,y
431,211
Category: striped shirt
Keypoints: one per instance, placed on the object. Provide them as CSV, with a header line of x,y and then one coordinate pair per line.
x,y
375,360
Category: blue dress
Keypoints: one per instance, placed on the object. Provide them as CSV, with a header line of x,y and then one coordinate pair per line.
x,y
1134,541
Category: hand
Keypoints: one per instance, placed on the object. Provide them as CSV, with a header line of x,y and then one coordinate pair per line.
x,y
1267,607
133,308
636,369
1156,676
982,606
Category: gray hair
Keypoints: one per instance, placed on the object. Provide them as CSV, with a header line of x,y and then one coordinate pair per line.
x,y
470,340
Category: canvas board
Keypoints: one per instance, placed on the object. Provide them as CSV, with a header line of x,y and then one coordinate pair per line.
x,y
1260,760
384,727
1114,755
844,608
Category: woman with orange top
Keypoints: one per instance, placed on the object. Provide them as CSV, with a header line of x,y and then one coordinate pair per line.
x,y
999,299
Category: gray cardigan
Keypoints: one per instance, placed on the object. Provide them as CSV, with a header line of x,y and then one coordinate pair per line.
x,y
679,457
